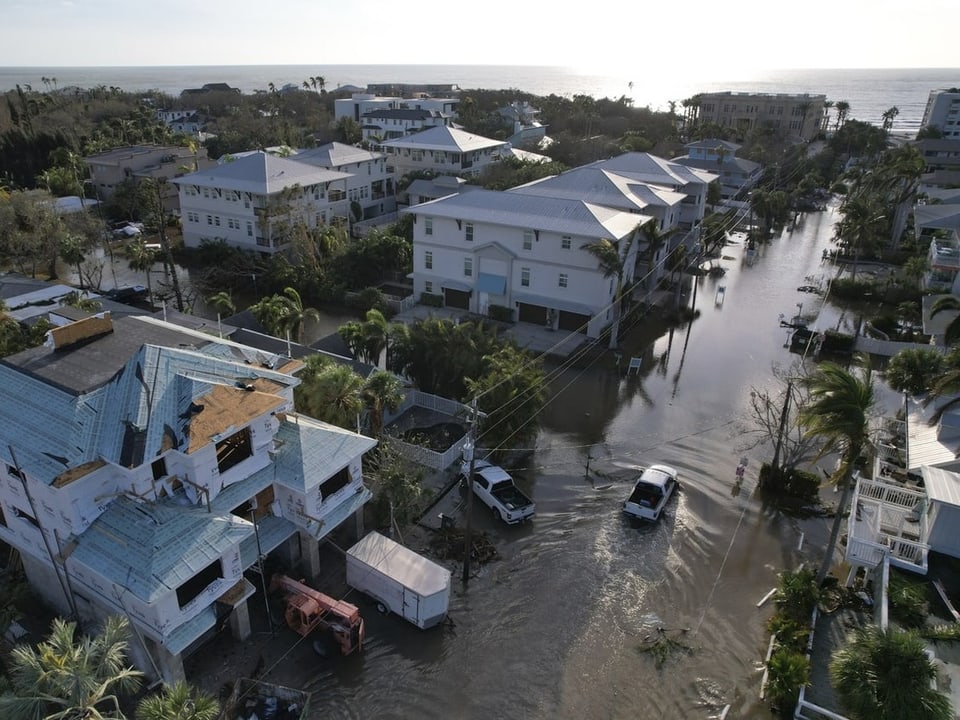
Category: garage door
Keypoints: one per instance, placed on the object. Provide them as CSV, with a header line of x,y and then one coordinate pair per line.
x,y
572,322
456,298
536,314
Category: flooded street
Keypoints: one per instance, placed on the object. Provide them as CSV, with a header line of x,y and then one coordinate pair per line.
x,y
552,629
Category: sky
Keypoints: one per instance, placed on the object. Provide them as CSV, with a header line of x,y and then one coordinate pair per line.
x,y
601,35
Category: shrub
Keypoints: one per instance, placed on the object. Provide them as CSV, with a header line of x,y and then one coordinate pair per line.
x,y
501,312
790,483
908,601
431,299
788,672
371,298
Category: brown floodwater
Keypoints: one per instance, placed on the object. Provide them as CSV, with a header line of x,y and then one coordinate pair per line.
x,y
554,628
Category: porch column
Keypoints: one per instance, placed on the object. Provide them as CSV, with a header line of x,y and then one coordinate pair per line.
x,y
171,666
240,622
310,554
358,516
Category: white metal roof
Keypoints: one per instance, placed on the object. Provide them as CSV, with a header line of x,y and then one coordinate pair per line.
x,y
567,216
444,138
926,445
334,155
260,173
602,187
942,485
650,168
402,564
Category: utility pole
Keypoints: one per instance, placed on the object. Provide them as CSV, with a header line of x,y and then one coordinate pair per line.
x,y
470,454
783,426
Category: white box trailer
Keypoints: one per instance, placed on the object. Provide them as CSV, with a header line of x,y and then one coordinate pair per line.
x,y
403,582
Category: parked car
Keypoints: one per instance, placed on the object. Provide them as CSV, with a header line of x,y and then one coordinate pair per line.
x,y
652,491
495,487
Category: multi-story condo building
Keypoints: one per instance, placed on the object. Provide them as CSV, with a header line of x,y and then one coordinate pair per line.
x,y
443,151
793,116
523,253
145,467
370,183
379,125
252,201
359,104
720,156
943,112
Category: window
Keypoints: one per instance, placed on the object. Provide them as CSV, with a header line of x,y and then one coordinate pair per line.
x,y
234,449
206,192
469,232
199,582
468,266
331,485
565,242
562,280
428,287
159,468
216,221
428,260
525,277
209,219
428,226
528,239
249,229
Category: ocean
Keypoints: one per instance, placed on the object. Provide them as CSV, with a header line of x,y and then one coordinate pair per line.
x,y
869,92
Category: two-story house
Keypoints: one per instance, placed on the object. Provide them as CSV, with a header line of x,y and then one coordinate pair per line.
x,y
145,467
524,253
252,201
370,183
720,157
360,104
443,151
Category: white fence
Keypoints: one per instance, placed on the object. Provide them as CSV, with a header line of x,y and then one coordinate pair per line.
x,y
363,228
887,348
421,455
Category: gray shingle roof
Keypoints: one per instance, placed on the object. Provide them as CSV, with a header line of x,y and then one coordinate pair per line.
x,y
260,173
567,216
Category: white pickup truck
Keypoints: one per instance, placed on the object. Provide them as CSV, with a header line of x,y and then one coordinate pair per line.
x,y
495,487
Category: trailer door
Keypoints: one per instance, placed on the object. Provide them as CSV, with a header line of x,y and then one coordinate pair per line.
x,y
411,606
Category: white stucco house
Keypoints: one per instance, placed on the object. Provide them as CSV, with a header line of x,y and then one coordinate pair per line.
x,y
252,201
361,103
379,125
443,151
145,467
523,253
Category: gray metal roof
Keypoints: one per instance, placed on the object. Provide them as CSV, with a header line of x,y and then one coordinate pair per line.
x,y
928,445
602,187
260,173
153,548
713,144
943,217
309,451
513,209
335,155
444,138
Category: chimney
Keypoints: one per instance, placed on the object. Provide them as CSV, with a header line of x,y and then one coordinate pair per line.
x,y
60,338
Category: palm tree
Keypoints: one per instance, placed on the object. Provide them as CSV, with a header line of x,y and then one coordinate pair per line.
x,y
331,392
67,679
888,117
142,259
837,414
382,391
222,302
825,122
71,252
612,258
295,314
884,674
914,370
862,225
951,333
179,701
843,107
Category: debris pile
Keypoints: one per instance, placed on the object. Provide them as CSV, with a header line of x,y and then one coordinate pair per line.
x,y
448,544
